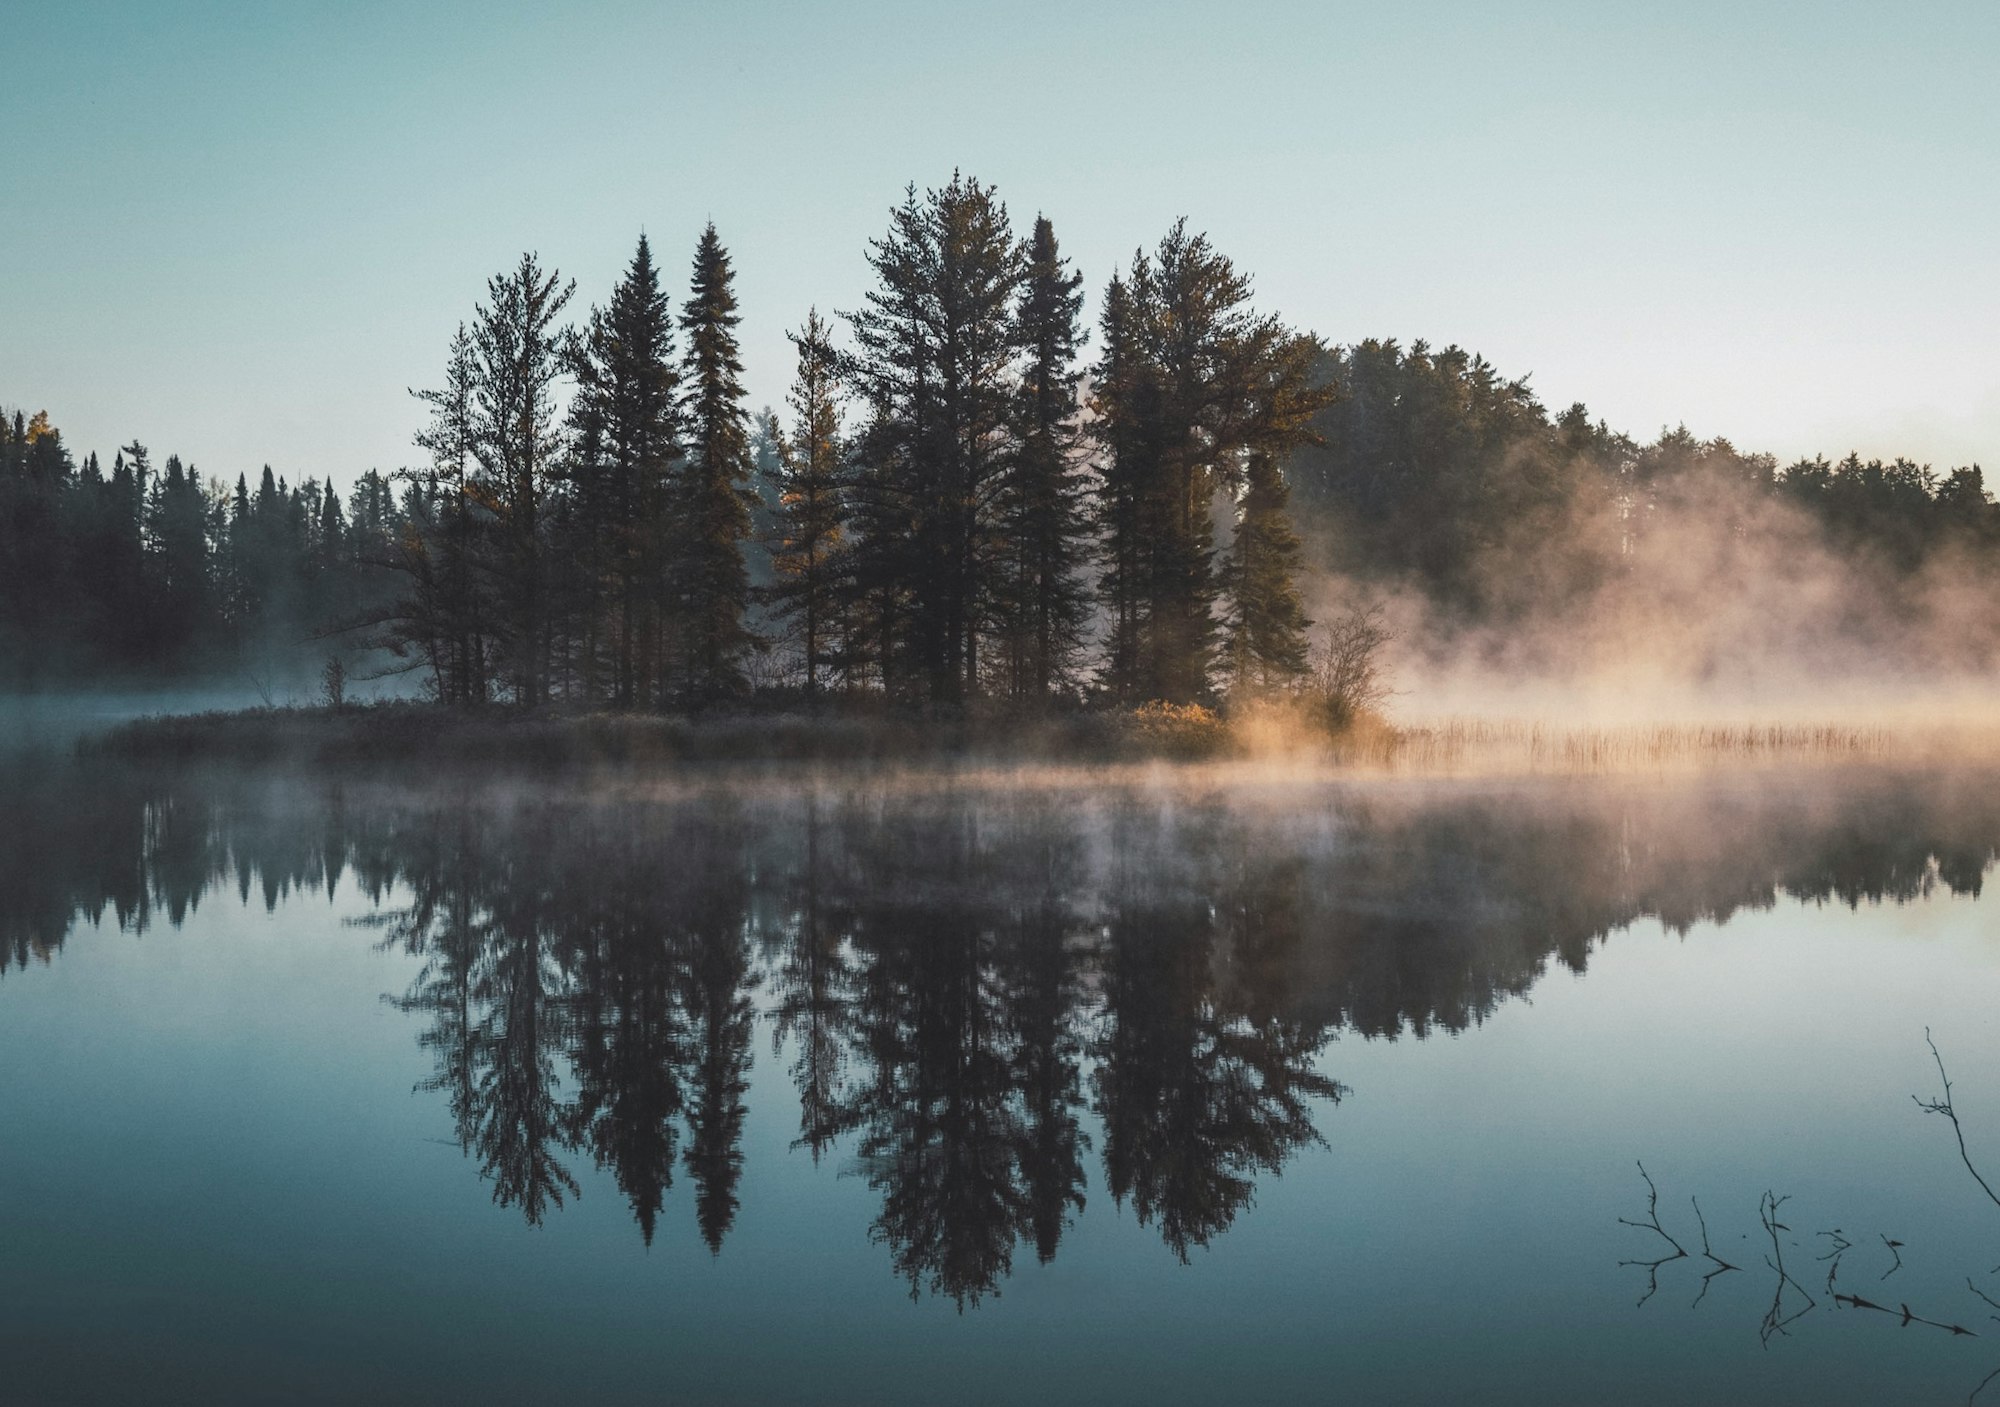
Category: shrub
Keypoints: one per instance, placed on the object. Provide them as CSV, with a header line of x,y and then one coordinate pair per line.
x,y
1176,730
1345,678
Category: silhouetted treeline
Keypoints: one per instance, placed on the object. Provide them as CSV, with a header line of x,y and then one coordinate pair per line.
x,y
978,996
964,500
928,525
149,572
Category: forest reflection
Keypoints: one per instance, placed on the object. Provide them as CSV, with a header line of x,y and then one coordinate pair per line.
x,y
977,994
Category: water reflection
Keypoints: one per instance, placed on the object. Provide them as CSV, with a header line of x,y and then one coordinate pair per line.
x,y
982,997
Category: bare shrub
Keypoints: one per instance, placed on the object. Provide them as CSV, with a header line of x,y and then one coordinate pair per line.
x,y
1345,679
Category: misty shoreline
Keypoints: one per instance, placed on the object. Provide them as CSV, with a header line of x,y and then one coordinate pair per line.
x,y
1253,745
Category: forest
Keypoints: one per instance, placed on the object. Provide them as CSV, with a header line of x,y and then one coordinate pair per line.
x,y
972,494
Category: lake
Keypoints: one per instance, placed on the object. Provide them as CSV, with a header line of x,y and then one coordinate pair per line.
x,y
1153,1087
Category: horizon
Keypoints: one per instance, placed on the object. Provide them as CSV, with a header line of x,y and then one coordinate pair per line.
x,y
235,253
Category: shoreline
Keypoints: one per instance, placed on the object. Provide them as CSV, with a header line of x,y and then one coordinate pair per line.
x,y
1267,745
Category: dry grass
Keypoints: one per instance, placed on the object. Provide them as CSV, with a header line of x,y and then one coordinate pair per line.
x,y
1455,745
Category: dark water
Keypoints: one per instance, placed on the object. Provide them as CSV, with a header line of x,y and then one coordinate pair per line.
x,y
984,1091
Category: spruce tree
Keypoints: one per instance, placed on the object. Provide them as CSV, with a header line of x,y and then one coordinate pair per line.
x,y
627,422
1042,600
812,512
711,515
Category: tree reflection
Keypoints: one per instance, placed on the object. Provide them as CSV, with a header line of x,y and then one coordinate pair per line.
x,y
959,981
937,1123
1200,1084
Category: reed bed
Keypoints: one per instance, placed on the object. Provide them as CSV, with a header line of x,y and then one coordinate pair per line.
x,y
1472,744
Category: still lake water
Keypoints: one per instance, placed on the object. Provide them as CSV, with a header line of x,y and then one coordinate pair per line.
x,y
1178,1089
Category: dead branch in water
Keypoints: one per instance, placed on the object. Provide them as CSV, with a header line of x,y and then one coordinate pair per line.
x,y
1679,1252
1944,1107
1721,1266
1775,1318
1652,1224
1904,1313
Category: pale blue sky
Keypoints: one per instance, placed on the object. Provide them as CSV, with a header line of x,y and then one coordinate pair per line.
x,y
238,232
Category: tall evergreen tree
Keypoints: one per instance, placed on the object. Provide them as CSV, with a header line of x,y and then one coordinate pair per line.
x,y
520,352
448,614
1209,385
1043,603
177,524
712,512
627,419
935,363
812,512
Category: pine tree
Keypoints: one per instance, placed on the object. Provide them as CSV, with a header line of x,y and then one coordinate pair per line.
x,y
936,357
447,614
627,424
1204,385
520,353
812,511
711,515
1041,509
1267,641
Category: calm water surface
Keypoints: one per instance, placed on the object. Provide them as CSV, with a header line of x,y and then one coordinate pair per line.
x,y
994,1090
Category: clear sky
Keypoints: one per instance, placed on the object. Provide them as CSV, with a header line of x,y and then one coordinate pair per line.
x,y
239,232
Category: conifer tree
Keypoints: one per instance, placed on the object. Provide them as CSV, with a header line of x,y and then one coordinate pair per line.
x,y
519,352
627,422
935,360
1204,385
711,515
1042,495
448,613
177,523
812,512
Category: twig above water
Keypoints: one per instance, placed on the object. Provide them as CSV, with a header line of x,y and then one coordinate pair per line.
x,y
1652,1224
1944,1107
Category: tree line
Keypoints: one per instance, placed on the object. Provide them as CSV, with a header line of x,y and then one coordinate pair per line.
x,y
1430,470
958,502
150,573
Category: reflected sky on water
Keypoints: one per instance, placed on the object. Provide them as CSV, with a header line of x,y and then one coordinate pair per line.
x,y
990,1091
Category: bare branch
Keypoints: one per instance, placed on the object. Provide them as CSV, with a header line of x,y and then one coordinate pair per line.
x,y
1904,1313
1652,1224
1944,1107
1722,1267
1775,1318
